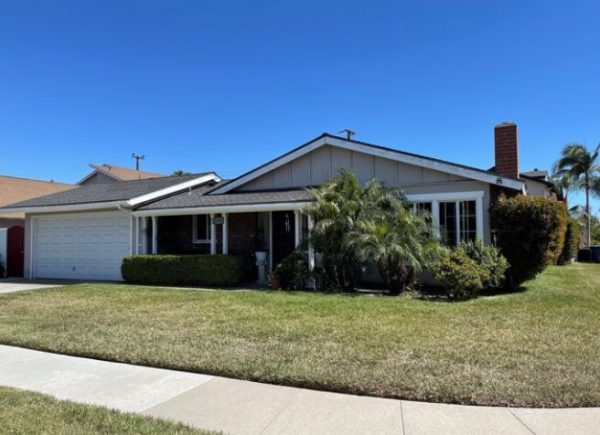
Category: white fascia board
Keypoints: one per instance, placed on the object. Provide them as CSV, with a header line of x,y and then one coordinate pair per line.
x,y
241,208
173,189
428,163
445,196
384,153
271,166
111,205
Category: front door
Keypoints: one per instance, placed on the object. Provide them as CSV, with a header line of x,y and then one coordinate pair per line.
x,y
283,235
14,251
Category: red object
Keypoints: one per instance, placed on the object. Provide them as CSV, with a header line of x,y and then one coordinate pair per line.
x,y
507,150
15,251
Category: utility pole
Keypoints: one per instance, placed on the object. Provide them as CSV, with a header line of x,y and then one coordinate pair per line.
x,y
349,133
137,158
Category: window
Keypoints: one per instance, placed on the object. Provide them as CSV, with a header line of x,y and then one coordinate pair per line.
x,y
468,221
448,223
201,228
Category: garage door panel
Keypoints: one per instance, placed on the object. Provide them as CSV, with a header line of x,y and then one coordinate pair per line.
x,y
88,246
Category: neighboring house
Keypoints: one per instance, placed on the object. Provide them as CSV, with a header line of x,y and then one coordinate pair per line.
x,y
84,233
15,189
106,173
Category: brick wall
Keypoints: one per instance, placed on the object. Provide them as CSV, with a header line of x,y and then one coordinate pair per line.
x,y
507,150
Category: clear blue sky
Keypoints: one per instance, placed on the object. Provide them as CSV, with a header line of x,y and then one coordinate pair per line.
x,y
225,86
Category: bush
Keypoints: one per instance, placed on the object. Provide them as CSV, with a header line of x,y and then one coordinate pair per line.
x,y
571,244
197,270
293,272
460,275
530,233
489,258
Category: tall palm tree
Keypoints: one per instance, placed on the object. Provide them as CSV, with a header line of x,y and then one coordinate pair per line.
x,y
583,166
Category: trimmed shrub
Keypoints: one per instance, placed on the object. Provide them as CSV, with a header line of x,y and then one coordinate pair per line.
x,y
530,233
293,272
489,258
571,244
197,270
460,275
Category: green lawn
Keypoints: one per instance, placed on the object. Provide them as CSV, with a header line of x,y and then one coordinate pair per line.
x,y
540,347
22,412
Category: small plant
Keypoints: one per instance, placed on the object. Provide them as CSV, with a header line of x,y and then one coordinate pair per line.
x,y
292,272
459,274
489,258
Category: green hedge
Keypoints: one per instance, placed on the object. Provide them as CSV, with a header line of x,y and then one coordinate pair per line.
x,y
571,242
196,270
530,233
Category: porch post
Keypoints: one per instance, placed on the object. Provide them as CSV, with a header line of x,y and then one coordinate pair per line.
x,y
297,227
225,233
136,235
144,235
270,241
435,217
154,234
213,235
311,248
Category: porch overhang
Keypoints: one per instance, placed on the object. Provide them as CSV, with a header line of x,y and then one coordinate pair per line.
x,y
239,208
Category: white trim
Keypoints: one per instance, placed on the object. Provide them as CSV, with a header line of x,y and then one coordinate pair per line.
x,y
375,151
154,234
195,239
173,189
242,208
297,227
311,248
270,241
213,235
456,197
90,206
225,233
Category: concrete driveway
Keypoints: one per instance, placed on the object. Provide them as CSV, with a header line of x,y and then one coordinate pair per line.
x,y
21,285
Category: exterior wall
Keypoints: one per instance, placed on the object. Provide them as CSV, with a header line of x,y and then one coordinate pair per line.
x,y
175,235
535,188
98,178
324,163
3,247
10,222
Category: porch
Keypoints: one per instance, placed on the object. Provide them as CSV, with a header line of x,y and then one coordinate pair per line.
x,y
275,230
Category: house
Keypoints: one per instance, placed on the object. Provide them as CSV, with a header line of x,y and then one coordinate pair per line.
x,y
85,232
106,173
15,189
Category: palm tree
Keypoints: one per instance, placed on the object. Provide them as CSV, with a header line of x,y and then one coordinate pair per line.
x,y
564,181
399,242
582,165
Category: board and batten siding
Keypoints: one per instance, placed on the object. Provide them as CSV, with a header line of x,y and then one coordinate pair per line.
x,y
325,163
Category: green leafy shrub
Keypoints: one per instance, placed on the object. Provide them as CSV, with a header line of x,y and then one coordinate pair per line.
x,y
459,274
198,270
529,232
489,258
293,272
571,244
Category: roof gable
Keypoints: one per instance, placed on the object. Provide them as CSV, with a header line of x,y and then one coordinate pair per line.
x,y
373,150
119,173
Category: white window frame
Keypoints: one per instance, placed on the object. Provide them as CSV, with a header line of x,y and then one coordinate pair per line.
x,y
195,238
457,197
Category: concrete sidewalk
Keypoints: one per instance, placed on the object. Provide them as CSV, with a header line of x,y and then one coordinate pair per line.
x,y
14,286
241,407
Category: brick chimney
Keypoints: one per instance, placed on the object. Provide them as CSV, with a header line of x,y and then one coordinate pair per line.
x,y
507,150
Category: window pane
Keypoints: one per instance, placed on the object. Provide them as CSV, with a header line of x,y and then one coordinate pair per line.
x,y
202,232
468,221
448,223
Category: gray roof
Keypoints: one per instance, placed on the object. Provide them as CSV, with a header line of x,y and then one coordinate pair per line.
x,y
97,193
199,198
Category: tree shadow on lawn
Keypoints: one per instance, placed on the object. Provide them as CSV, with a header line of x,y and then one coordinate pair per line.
x,y
438,294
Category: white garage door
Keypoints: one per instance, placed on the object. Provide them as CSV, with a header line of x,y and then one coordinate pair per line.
x,y
81,246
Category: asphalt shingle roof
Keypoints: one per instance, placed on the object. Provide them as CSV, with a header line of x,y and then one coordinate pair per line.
x,y
199,198
96,193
